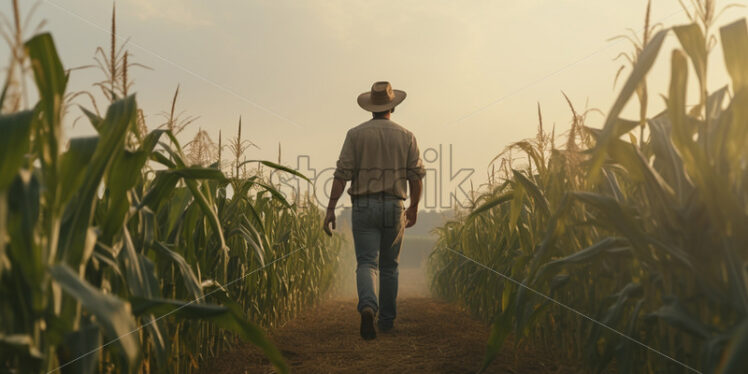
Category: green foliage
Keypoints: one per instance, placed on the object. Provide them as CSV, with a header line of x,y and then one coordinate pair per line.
x,y
107,265
647,238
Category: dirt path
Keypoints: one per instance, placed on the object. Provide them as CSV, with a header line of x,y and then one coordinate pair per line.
x,y
430,336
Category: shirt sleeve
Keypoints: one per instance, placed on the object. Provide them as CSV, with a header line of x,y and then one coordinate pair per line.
x,y
346,164
415,165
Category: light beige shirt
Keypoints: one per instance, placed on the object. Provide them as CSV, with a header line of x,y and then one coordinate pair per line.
x,y
379,156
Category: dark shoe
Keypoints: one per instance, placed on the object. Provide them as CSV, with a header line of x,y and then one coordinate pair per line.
x,y
367,324
385,327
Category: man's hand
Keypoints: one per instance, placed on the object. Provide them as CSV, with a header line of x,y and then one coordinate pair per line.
x,y
411,214
338,185
415,186
329,218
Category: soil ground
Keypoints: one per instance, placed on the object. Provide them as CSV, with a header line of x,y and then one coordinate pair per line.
x,y
430,336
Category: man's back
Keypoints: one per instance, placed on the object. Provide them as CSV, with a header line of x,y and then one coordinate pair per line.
x,y
379,156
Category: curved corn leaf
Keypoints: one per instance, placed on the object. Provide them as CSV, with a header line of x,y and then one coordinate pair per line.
x,y
610,128
257,239
623,126
180,200
694,43
735,51
278,167
676,315
208,210
615,187
500,330
196,172
163,160
95,120
24,251
112,314
226,317
123,175
73,165
138,269
667,161
14,144
161,187
51,81
190,280
501,199
120,116
607,245
533,190
275,193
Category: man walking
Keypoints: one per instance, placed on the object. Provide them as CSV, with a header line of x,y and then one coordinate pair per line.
x,y
382,161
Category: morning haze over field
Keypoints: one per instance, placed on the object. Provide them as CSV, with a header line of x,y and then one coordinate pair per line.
x,y
568,191
474,71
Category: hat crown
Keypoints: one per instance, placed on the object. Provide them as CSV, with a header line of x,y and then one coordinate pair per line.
x,y
381,93
381,97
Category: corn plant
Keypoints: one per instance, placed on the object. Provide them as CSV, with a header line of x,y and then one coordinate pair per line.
x,y
107,265
647,239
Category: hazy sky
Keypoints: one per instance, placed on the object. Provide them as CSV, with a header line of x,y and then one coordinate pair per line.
x,y
474,71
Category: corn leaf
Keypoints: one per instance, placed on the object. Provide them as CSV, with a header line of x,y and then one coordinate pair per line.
x,y
278,167
694,43
488,205
223,316
73,232
638,74
112,314
14,144
735,50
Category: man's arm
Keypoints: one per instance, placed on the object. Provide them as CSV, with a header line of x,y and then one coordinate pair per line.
x,y
415,186
414,174
338,185
343,173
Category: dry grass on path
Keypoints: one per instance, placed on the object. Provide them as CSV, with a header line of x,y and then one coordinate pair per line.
x,y
430,336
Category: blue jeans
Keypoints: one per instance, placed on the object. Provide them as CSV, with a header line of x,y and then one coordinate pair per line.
x,y
378,225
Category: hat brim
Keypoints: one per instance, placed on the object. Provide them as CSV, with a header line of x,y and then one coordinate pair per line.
x,y
364,101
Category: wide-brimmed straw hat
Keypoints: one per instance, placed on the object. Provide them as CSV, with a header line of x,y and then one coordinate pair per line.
x,y
381,97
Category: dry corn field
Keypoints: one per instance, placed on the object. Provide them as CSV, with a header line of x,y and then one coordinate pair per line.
x,y
621,249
